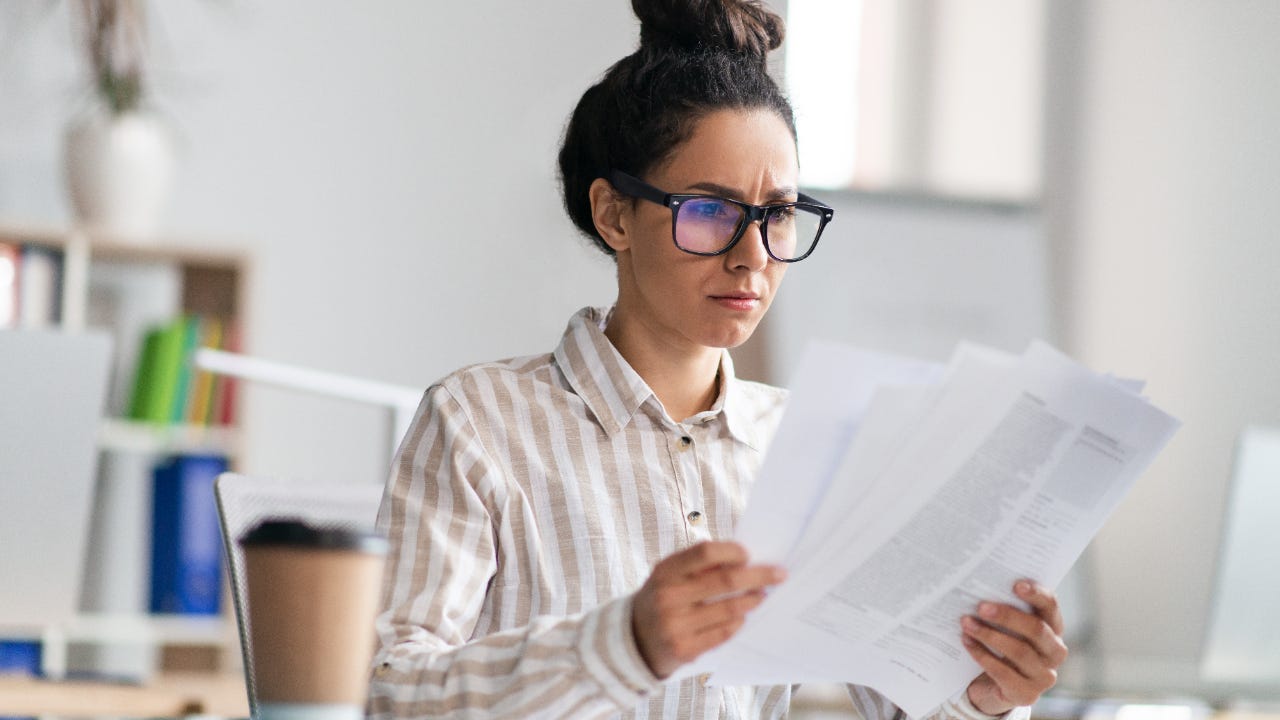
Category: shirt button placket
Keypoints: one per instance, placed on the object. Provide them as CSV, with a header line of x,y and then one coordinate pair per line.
x,y
695,518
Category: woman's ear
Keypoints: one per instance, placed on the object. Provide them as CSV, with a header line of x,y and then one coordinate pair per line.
x,y
608,208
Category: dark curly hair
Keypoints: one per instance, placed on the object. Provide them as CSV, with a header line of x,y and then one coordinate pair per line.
x,y
695,57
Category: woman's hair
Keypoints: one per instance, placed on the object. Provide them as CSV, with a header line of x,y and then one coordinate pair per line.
x,y
695,57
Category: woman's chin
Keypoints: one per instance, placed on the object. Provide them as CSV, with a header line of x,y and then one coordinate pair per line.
x,y
730,335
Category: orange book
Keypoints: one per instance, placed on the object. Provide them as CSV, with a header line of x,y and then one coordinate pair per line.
x,y
201,401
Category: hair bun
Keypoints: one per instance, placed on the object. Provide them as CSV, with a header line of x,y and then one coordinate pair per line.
x,y
746,26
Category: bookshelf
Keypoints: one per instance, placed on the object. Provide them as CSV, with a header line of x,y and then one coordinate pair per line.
x,y
131,628
208,282
124,286
121,435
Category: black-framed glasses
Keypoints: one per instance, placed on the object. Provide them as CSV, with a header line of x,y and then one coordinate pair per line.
x,y
712,225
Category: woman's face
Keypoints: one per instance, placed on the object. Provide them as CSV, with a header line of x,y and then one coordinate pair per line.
x,y
746,155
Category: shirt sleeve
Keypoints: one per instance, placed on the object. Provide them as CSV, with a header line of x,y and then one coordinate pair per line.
x,y
874,706
442,556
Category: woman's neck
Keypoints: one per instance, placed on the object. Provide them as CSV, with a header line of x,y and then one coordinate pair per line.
x,y
683,376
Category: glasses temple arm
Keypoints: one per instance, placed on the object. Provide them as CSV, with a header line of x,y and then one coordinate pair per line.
x,y
635,187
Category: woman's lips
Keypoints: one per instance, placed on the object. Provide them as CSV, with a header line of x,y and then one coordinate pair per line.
x,y
737,302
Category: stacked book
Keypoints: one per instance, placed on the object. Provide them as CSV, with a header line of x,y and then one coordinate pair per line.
x,y
30,285
167,389
186,556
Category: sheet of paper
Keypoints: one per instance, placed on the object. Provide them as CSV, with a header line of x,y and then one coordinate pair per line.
x,y
819,424
863,487
1007,471
894,494
820,420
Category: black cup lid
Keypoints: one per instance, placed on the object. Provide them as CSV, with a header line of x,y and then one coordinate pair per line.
x,y
293,532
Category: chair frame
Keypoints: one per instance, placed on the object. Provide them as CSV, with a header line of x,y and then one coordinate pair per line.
x,y
243,501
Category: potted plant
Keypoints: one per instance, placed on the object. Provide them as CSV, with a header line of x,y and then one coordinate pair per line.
x,y
119,153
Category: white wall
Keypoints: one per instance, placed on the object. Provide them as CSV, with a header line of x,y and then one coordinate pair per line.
x,y
1164,209
391,167
914,275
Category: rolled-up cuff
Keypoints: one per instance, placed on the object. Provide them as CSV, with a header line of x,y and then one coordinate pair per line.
x,y
959,706
610,655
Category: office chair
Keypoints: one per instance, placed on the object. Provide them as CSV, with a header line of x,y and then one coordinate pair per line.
x,y
244,501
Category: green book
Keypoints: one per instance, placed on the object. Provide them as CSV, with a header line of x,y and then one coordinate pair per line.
x,y
144,379
160,399
182,387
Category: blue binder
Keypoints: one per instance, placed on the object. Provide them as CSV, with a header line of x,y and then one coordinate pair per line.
x,y
21,657
186,543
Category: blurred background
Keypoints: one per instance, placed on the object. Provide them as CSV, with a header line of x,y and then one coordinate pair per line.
x,y
1101,174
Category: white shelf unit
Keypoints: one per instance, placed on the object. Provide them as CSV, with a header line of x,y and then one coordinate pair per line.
x,y
195,280
124,628
121,435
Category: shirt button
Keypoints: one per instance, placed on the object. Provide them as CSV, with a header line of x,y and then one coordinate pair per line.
x,y
704,678
695,517
685,442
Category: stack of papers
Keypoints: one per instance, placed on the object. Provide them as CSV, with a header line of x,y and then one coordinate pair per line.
x,y
900,493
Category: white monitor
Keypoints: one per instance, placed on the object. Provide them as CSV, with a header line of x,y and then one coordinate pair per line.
x,y
1242,644
52,388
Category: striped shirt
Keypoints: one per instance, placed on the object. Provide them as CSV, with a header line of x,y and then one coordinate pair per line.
x,y
528,501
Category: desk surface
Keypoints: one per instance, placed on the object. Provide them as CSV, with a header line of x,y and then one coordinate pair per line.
x,y
168,695
173,695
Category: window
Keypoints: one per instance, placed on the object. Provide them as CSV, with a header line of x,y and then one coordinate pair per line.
x,y
939,96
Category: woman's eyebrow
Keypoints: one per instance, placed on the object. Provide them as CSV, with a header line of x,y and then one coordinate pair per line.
x,y
782,193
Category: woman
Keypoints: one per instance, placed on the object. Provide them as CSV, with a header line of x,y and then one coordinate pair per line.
x,y
557,522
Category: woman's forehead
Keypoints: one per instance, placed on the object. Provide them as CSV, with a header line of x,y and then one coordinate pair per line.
x,y
748,150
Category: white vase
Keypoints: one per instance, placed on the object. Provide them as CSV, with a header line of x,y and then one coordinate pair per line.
x,y
119,173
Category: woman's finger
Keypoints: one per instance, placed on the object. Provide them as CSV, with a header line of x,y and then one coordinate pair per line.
x,y
723,611
711,584
1014,686
700,617
1016,651
709,626
701,557
719,582
713,636
1043,601
1032,628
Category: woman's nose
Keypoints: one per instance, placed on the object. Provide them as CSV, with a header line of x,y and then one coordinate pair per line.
x,y
749,252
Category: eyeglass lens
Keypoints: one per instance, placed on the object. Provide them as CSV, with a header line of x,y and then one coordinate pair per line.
x,y
708,225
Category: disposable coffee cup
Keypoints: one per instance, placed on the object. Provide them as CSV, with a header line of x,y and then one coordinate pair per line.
x,y
313,596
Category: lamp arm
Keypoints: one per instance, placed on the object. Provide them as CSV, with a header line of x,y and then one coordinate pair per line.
x,y
401,400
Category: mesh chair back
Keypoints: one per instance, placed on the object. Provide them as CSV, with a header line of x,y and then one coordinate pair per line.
x,y
245,501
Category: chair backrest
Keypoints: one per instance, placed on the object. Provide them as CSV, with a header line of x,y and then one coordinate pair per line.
x,y
245,501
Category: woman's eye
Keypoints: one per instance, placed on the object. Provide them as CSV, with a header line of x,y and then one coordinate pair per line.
x,y
783,214
710,209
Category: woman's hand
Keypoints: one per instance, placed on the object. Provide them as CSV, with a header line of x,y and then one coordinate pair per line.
x,y
694,600
1019,651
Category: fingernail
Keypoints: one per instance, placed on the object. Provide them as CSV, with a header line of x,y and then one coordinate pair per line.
x,y
779,574
1023,587
969,623
987,610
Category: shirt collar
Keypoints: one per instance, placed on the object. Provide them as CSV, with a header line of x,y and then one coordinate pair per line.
x,y
613,391
735,405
